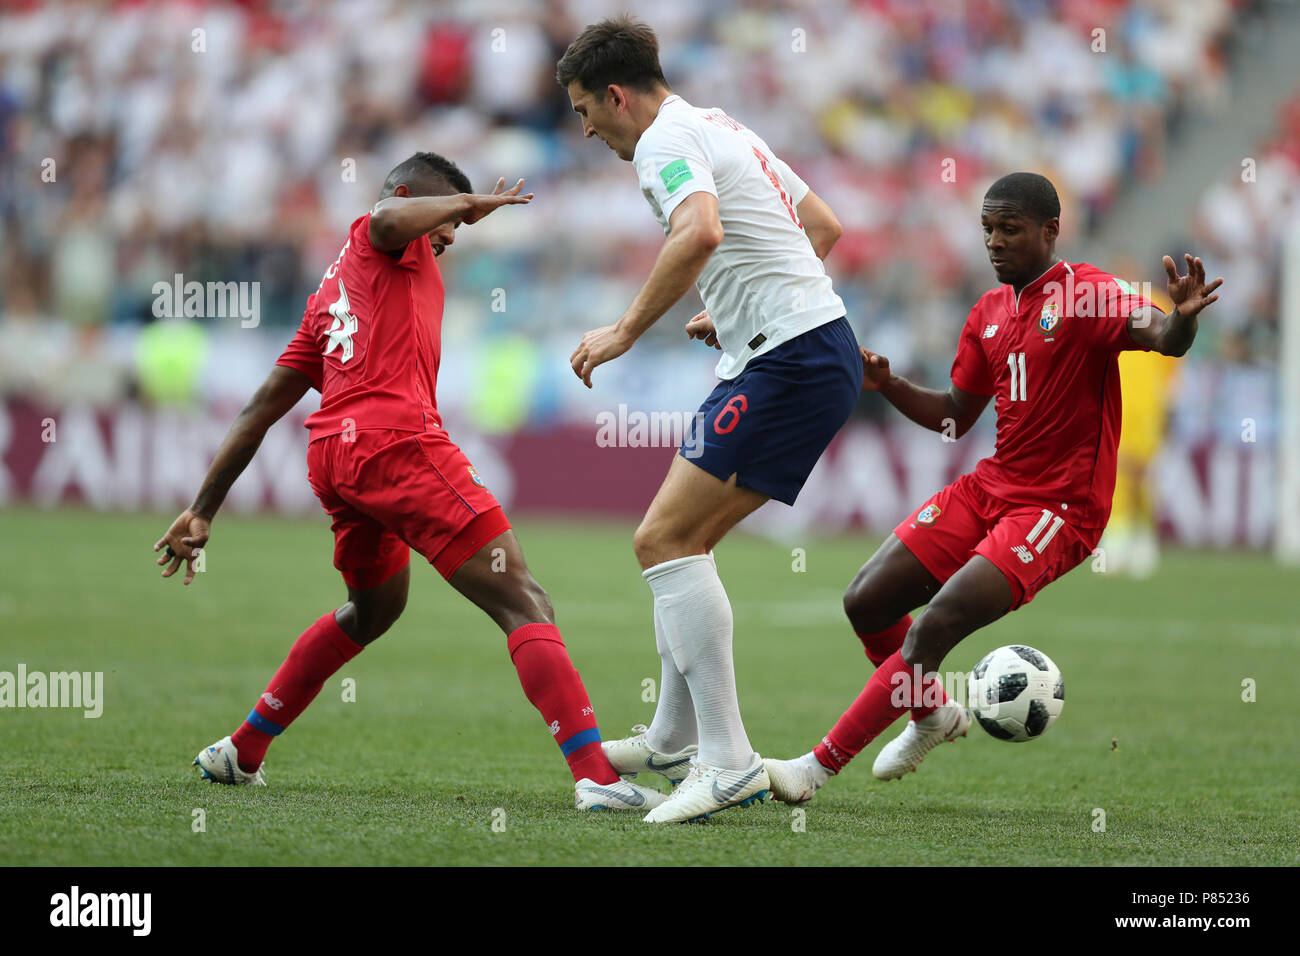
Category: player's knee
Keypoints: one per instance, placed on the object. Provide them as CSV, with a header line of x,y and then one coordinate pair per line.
x,y
647,544
934,633
856,602
375,616
658,541
863,606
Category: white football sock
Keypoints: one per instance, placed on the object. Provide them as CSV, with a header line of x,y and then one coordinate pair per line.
x,y
696,619
816,769
674,727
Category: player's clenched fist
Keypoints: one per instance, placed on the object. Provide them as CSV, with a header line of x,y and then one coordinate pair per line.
x,y
183,540
701,327
875,370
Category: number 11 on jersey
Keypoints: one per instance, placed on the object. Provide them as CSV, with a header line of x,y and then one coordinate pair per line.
x,y
1017,377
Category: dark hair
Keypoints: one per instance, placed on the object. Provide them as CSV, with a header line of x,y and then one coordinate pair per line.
x,y
620,50
426,174
1032,194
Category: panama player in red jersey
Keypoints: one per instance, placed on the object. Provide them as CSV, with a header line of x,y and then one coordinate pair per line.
x,y
391,479
1044,345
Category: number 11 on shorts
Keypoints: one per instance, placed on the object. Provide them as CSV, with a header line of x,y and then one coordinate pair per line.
x,y
1056,521
1037,537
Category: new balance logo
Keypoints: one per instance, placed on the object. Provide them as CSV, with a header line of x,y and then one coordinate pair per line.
x,y
728,793
1023,553
990,331
275,703
555,727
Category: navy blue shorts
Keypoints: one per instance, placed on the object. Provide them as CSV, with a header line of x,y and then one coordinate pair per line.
x,y
770,424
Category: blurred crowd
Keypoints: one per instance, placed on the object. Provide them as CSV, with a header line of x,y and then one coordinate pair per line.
x,y
1243,224
236,141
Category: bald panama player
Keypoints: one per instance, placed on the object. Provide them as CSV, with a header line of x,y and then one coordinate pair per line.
x,y
1045,343
751,236
391,479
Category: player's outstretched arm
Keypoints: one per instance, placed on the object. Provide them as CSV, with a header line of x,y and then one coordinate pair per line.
x,y
695,230
190,531
1173,334
952,412
820,224
397,220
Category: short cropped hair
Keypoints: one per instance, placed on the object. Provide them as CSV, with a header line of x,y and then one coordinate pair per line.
x,y
427,173
620,50
1032,194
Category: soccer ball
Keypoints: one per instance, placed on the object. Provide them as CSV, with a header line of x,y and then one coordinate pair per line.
x,y
1016,693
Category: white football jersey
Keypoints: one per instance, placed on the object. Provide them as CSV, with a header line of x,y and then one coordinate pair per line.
x,y
763,285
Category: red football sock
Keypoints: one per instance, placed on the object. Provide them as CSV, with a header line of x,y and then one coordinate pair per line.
x,y
883,643
553,686
872,712
317,654
933,696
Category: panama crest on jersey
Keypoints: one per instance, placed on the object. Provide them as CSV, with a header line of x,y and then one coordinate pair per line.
x,y
1049,319
927,515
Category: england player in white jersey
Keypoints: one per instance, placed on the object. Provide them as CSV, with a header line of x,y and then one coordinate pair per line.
x,y
751,236
763,285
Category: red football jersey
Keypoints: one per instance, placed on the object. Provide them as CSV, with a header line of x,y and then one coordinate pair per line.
x,y
371,338
1050,356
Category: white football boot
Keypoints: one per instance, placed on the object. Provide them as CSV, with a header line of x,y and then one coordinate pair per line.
x,y
707,790
902,754
619,795
632,755
795,781
220,764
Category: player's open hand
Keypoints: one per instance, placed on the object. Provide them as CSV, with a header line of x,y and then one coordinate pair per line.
x,y
183,542
1189,292
480,205
875,370
701,327
596,348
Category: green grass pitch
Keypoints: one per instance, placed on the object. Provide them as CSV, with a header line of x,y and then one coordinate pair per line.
x,y
441,743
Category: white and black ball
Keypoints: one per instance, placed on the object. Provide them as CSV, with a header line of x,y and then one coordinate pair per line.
x,y
1016,693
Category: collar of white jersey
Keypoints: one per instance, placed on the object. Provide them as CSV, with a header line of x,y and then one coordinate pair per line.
x,y
671,98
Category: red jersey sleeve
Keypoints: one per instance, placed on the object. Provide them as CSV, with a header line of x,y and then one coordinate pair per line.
x,y
1115,301
302,352
970,369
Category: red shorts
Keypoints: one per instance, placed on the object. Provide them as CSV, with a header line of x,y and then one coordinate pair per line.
x,y
1030,544
389,491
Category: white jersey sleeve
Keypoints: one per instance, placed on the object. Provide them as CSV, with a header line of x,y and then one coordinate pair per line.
x,y
672,166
